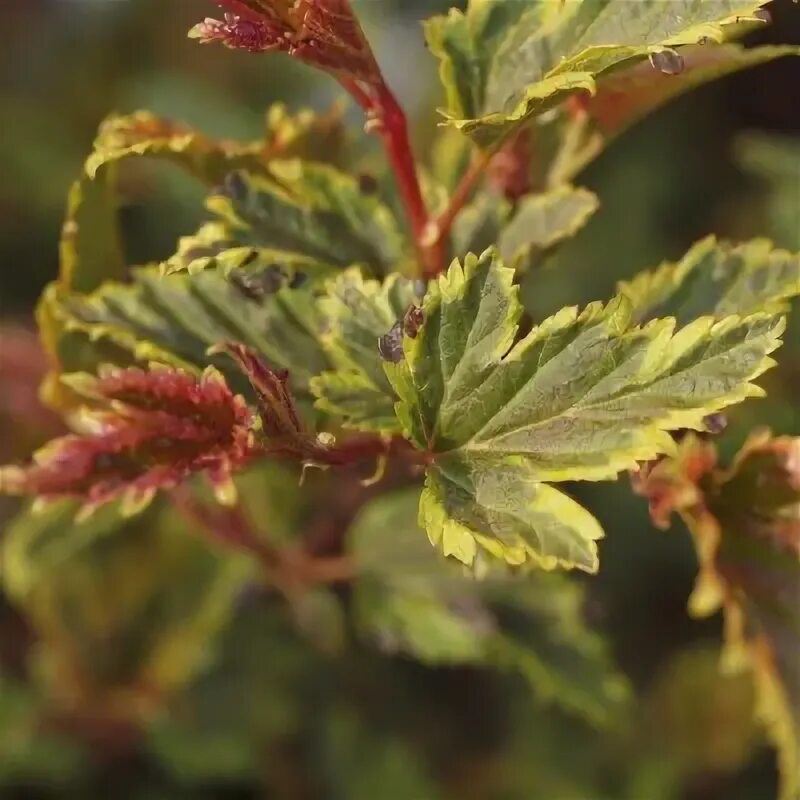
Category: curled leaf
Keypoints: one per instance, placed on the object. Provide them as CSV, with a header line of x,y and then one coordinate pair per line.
x,y
505,62
746,525
153,430
323,33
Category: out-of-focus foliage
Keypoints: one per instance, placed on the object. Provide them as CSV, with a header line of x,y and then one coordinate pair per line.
x,y
746,525
310,643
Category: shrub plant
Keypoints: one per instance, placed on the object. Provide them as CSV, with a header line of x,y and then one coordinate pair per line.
x,y
326,438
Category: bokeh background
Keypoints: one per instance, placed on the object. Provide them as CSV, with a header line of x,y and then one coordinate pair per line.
x,y
722,160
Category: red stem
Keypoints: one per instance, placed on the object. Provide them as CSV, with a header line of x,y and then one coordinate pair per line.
x,y
389,119
394,131
289,569
460,197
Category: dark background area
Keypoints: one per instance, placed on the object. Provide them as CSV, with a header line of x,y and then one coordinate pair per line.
x,y
65,64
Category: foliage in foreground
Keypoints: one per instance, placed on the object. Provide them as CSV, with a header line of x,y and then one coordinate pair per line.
x,y
368,338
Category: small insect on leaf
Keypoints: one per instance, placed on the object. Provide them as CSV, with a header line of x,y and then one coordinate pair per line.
x,y
390,345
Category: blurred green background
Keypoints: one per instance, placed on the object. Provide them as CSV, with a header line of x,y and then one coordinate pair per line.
x,y
711,162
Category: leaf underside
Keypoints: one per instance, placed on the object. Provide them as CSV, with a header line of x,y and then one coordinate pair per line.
x,y
504,62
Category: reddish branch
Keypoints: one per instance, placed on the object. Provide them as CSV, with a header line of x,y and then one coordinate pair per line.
x,y
289,569
440,229
327,35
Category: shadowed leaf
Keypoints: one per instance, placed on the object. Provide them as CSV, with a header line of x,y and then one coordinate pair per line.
x,y
359,312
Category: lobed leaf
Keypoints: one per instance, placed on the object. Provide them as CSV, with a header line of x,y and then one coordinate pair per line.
x,y
541,221
503,63
175,319
358,313
746,526
583,396
305,216
144,134
91,248
717,279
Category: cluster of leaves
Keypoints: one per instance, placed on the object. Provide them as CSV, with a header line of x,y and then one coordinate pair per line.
x,y
308,321
746,525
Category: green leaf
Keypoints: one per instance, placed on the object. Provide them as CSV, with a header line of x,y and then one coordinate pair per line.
x,y
479,224
144,134
110,628
567,142
542,635
175,320
302,215
746,525
254,698
409,599
91,247
717,279
502,506
503,63
583,396
358,312
541,221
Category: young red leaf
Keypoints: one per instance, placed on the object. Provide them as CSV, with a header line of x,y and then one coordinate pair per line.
x,y
279,415
157,428
323,33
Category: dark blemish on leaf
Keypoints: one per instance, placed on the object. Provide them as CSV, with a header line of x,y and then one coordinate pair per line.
x,y
249,258
367,184
299,279
667,62
257,286
763,15
235,187
390,345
